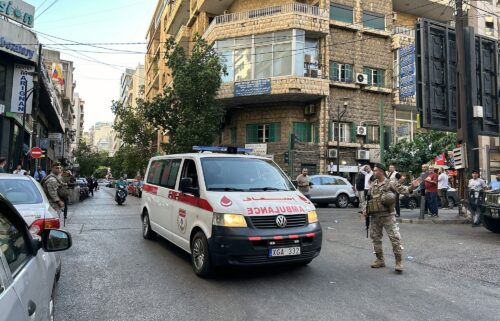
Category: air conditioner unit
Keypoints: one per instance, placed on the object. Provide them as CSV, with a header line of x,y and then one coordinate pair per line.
x,y
314,73
363,155
310,110
362,79
332,153
361,131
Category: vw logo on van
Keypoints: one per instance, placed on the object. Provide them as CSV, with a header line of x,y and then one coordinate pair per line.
x,y
281,221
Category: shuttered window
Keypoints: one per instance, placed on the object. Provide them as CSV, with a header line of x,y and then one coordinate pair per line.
x,y
263,133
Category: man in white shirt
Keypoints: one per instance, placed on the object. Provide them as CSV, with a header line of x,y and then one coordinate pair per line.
x,y
367,171
476,185
19,170
443,184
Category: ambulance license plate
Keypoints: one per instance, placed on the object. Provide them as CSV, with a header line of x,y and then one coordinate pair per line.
x,y
284,251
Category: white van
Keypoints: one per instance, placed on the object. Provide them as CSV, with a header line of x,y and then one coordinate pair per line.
x,y
228,209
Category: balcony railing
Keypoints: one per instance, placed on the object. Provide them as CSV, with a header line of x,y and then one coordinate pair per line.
x,y
294,7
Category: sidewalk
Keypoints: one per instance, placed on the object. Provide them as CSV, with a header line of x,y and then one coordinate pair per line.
x,y
446,216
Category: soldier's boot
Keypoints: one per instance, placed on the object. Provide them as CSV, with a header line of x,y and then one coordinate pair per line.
x,y
399,263
379,262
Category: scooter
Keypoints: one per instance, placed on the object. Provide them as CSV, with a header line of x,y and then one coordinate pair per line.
x,y
121,195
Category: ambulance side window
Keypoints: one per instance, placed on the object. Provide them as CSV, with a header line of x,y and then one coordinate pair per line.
x,y
189,170
169,176
154,173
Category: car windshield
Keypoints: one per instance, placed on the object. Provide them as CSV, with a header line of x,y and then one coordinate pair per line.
x,y
20,191
243,174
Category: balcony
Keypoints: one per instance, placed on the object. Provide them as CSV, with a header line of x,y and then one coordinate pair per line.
x,y
283,17
275,89
183,37
178,17
439,10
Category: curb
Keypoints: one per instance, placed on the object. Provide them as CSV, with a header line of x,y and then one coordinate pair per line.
x,y
432,221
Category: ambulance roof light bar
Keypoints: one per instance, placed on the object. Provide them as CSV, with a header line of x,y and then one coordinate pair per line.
x,y
222,149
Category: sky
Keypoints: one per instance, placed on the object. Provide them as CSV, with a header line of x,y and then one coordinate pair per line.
x,y
97,70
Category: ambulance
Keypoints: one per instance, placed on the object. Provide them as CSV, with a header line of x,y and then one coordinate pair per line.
x,y
226,208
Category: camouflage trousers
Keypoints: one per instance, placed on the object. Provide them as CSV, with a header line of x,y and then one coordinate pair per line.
x,y
377,224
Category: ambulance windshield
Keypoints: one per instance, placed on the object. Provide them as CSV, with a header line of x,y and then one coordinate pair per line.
x,y
243,174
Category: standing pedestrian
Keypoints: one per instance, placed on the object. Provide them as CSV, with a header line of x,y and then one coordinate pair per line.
x,y
394,176
360,188
90,185
476,186
54,188
431,189
39,174
381,209
494,185
19,170
367,171
443,185
304,183
3,161
423,176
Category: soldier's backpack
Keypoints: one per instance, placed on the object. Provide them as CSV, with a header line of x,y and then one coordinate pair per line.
x,y
62,191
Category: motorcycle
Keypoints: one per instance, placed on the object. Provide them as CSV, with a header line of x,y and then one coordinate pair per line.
x,y
121,195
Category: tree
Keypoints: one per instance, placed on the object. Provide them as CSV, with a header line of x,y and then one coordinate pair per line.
x,y
88,159
409,156
188,110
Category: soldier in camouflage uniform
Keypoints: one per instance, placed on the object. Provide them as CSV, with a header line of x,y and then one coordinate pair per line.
x,y
381,209
51,185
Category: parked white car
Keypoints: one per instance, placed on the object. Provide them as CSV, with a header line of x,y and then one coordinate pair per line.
x,y
27,267
327,189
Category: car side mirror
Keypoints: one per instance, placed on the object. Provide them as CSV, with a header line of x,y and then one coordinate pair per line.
x,y
186,186
56,240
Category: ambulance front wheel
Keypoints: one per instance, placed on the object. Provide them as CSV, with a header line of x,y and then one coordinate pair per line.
x,y
200,255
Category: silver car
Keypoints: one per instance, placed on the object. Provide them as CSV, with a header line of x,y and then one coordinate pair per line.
x,y
27,267
327,189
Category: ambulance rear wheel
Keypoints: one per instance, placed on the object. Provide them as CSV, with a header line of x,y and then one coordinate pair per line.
x,y
147,232
200,255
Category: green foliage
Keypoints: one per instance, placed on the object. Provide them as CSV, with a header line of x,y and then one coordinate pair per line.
x,y
88,159
101,172
188,110
409,156
129,160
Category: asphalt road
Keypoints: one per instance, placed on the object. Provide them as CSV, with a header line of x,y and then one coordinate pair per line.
x,y
452,272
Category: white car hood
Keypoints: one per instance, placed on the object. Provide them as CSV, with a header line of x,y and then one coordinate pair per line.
x,y
32,212
260,203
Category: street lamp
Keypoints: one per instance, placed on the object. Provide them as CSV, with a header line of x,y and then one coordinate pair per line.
x,y
340,115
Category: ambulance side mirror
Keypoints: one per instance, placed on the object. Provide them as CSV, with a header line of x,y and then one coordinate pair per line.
x,y
186,186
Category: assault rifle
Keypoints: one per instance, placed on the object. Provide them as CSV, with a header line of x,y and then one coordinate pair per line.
x,y
367,218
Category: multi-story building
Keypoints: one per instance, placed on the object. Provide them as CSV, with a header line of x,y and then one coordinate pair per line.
x,y
131,89
22,79
292,68
79,121
482,15
101,137
61,73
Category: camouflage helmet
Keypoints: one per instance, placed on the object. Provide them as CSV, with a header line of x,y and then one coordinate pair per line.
x,y
388,199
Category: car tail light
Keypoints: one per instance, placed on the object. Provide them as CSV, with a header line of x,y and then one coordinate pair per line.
x,y
39,225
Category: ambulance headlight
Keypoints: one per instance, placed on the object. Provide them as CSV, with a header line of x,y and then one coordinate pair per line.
x,y
312,217
229,220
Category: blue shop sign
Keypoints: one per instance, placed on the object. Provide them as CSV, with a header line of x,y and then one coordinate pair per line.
x,y
252,87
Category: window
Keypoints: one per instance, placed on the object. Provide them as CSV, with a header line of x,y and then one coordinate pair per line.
x,y
406,125
373,134
328,181
263,62
3,81
169,174
189,170
489,26
344,132
395,69
20,191
375,76
305,132
13,245
311,58
340,72
155,171
242,64
282,61
233,135
263,133
374,20
341,13
316,180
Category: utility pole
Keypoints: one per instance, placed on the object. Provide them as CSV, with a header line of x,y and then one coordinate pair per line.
x,y
381,130
36,103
